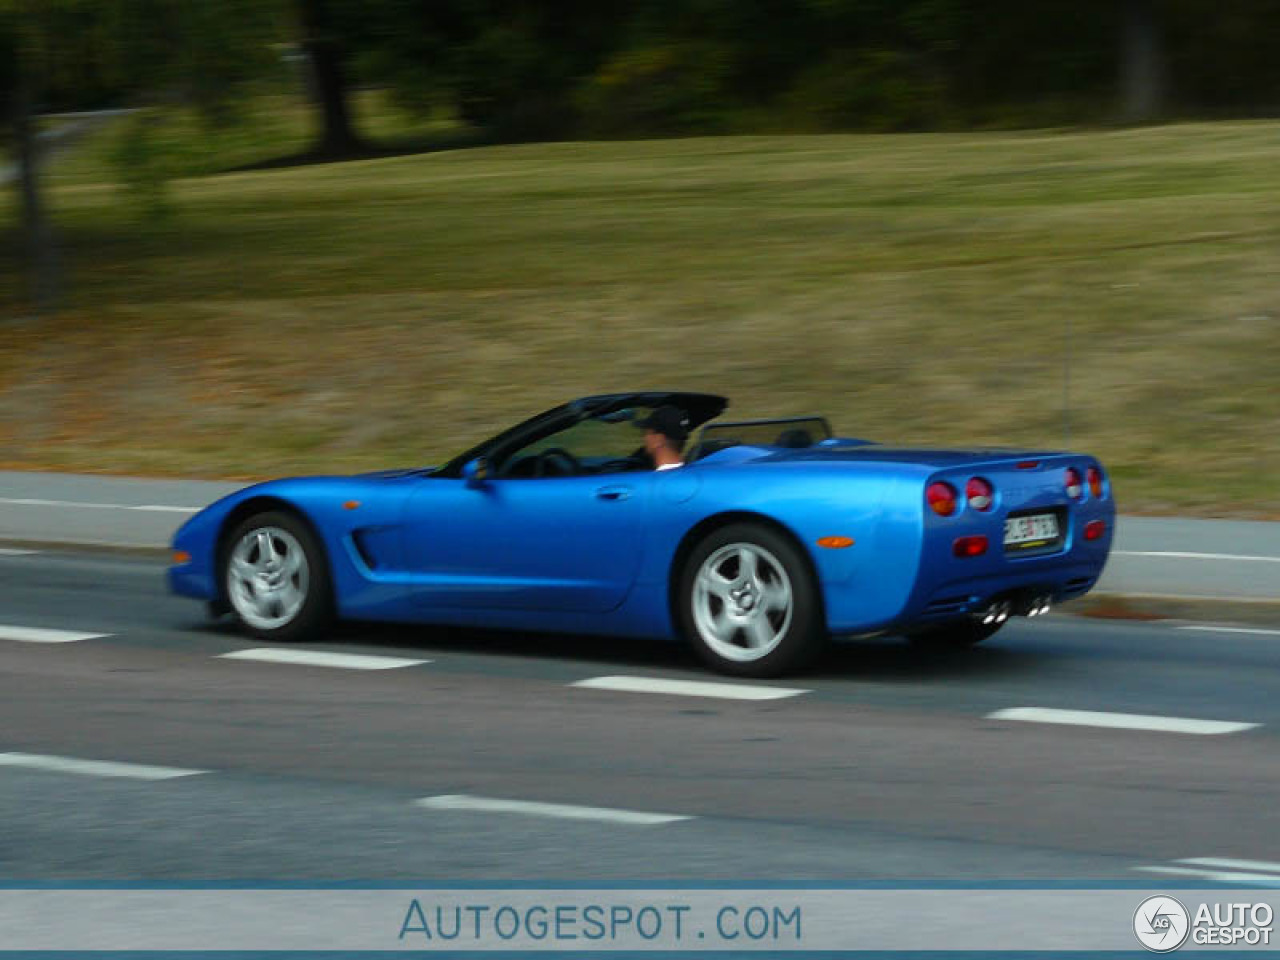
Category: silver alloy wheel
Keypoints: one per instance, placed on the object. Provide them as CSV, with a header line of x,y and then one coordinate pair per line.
x,y
267,577
742,602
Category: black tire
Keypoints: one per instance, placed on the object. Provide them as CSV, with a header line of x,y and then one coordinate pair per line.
x,y
799,636
954,635
315,615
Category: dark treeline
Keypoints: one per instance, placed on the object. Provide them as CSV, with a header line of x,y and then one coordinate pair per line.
x,y
546,68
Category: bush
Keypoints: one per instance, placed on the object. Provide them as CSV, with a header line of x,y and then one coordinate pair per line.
x,y
880,90
144,163
669,89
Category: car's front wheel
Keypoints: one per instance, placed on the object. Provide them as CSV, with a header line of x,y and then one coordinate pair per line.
x,y
748,603
276,579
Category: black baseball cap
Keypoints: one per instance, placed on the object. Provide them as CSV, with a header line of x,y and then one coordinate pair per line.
x,y
669,421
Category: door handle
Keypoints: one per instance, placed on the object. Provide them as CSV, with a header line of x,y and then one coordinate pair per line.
x,y
613,493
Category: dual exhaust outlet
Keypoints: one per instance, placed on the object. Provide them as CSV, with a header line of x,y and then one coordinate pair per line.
x,y
998,611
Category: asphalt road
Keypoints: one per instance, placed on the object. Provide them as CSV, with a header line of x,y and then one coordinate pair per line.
x,y
885,763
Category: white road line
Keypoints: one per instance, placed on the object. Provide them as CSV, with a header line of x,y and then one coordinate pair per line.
x,y
12,552
321,658
1227,864
688,688
1120,721
558,811
1217,876
1183,555
1258,631
85,505
38,635
94,768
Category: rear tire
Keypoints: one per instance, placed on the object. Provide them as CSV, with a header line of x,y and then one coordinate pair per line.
x,y
276,579
748,604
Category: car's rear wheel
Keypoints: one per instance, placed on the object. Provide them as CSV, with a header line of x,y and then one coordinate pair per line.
x,y
276,578
955,635
748,603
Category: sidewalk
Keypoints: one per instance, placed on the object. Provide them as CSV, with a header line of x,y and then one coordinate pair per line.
x,y
1159,567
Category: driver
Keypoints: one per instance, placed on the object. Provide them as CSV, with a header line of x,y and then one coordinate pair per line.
x,y
665,431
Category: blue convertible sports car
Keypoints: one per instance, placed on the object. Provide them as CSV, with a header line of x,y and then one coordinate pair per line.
x,y
773,536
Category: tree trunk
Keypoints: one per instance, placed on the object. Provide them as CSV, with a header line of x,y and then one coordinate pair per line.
x,y
42,254
1142,70
325,55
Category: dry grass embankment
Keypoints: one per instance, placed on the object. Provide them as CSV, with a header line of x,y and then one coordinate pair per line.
x,y
913,288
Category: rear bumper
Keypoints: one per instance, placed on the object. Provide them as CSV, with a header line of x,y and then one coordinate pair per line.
x,y
947,587
955,598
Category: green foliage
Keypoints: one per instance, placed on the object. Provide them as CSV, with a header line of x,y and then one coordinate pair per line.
x,y
144,163
84,54
8,67
877,90
676,88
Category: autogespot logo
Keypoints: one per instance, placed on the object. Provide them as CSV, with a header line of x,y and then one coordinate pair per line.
x,y
1161,924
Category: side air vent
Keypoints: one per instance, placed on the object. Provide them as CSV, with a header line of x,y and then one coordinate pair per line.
x,y
359,539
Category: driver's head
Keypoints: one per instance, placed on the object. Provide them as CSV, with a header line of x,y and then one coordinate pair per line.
x,y
667,424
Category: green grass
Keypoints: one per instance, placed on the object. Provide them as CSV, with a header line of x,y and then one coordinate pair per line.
x,y
913,288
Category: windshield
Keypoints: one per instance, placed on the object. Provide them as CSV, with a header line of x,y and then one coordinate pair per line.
x,y
609,443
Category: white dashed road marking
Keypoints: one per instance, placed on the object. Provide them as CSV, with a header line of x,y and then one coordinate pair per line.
x,y
94,768
39,635
1221,870
321,658
1120,721
1265,866
84,505
1257,631
688,688
558,811
14,552
1182,555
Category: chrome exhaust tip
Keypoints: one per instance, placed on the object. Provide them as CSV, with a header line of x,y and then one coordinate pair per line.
x,y
996,613
1040,606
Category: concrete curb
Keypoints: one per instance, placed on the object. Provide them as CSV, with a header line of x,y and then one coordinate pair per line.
x,y
1145,606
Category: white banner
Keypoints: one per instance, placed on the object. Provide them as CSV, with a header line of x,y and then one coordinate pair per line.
x,y
776,920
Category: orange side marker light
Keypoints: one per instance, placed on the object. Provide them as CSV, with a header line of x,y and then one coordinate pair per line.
x,y
835,543
180,557
351,505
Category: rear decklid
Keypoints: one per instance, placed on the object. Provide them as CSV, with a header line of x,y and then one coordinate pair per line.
x,y
932,458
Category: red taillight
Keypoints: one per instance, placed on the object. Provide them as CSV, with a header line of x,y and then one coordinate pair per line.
x,y
1074,484
1094,529
969,546
1094,476
980,494
942,498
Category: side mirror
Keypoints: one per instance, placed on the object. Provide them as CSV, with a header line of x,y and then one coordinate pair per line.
x,y
476,472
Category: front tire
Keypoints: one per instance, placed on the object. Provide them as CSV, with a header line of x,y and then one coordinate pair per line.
x,y
276,578
748,604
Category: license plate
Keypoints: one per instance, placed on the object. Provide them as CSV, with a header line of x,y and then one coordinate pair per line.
x,y
1037,530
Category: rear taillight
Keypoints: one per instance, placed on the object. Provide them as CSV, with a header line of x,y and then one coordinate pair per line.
x,y
942,498
980,494
1094,477
969,546
1074,484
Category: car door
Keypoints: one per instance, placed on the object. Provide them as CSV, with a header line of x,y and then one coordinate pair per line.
x,y
567,543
